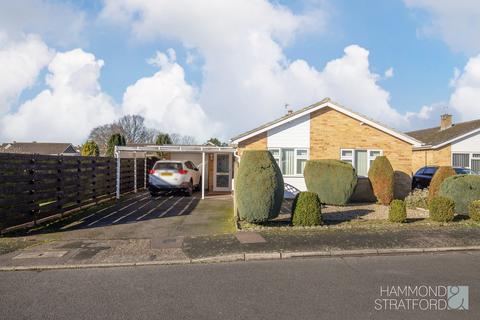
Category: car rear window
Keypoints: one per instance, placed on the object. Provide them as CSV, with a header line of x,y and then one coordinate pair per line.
x,y
167,166
429,171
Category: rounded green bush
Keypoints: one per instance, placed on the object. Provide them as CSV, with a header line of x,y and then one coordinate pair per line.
x,y
474,210
332,180
440,175
442,209
462,189
306,210
397,211
258,187
382,177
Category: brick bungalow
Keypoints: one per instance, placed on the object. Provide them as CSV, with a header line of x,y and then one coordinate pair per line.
x,y
327,130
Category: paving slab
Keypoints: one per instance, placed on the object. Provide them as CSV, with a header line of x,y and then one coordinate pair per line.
x,y
164,243
249,237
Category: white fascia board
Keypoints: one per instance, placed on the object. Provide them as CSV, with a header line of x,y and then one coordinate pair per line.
x,y
456,138
336,107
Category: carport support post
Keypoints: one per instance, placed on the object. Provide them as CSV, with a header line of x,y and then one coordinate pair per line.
x,y
145,174
117,154
135,172
203,175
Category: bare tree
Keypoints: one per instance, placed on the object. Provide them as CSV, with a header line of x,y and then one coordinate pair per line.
x,y
135,131
182,140
100,135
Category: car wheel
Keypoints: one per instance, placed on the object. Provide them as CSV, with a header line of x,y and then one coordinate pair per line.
x,y
198,187
189,190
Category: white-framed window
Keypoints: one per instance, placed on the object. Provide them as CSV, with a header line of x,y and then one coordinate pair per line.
x,y
360,159
468,160
290,160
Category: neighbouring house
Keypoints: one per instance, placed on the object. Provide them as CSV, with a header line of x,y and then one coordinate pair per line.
x,y
327,130
45,148
456,144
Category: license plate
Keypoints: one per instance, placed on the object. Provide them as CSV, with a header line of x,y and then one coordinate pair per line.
x,y
166,174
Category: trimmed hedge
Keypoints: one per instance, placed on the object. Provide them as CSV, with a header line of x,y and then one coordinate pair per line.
x,y
306,210
258,187
474,210
332,180
441,174
382,178
462,189
442,209
397,211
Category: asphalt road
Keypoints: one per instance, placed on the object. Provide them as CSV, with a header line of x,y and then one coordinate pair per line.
x,y
321,288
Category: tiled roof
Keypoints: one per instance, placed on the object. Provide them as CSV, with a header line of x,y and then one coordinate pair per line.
x,y
435,136
38,148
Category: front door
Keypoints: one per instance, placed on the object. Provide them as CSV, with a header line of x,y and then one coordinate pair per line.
x,y
222,175
361,162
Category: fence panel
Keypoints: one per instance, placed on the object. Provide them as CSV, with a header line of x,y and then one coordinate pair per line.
x,y
34,187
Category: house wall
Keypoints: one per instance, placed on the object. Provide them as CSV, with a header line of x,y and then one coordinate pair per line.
x,y
258,142
468,144
293,134
437,157
331,131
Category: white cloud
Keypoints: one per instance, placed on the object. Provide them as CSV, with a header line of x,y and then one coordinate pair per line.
x,y
466,96
167,101
20,62
56,22
247,77
456,22
388,73
66,111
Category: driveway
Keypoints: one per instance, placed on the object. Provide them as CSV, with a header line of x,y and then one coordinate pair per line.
x,y
140,216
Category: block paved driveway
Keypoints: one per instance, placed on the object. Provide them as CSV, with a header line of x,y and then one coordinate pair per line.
x,y
140,216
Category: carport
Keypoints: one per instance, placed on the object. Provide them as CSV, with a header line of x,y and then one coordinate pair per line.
x,y
221,159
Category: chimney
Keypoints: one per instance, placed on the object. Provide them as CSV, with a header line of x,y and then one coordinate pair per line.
x,y
289,112
445,121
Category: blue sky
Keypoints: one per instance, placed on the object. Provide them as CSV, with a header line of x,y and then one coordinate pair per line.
x,y
225,76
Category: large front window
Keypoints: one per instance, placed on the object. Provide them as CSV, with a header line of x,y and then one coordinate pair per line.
x,y
466,160
360,159
290,160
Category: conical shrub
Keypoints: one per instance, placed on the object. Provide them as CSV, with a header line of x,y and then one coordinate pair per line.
x,y
258,187
382,178
440,175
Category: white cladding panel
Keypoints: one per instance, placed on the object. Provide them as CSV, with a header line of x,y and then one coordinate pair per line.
x,y
468,144
297,182
293,134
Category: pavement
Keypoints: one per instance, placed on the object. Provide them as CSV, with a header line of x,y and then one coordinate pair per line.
x,y
329,288
173,229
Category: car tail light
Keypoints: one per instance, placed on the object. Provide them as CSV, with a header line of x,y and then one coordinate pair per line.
x,y
181,171
151,171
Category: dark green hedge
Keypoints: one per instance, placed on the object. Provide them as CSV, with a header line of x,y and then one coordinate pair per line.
x,y
462,189
306,210
258,187
442,209
382,178
397,211
332,180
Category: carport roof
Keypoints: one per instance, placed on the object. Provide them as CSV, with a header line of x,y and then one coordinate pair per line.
x,y
176,148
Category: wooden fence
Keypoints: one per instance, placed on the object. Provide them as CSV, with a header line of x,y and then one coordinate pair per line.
x,y
36,187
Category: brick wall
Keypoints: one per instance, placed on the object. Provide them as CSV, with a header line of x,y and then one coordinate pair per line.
x,y
439,157
258,142
331,131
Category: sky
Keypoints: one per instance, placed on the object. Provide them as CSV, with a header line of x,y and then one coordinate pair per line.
x,y
216,68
